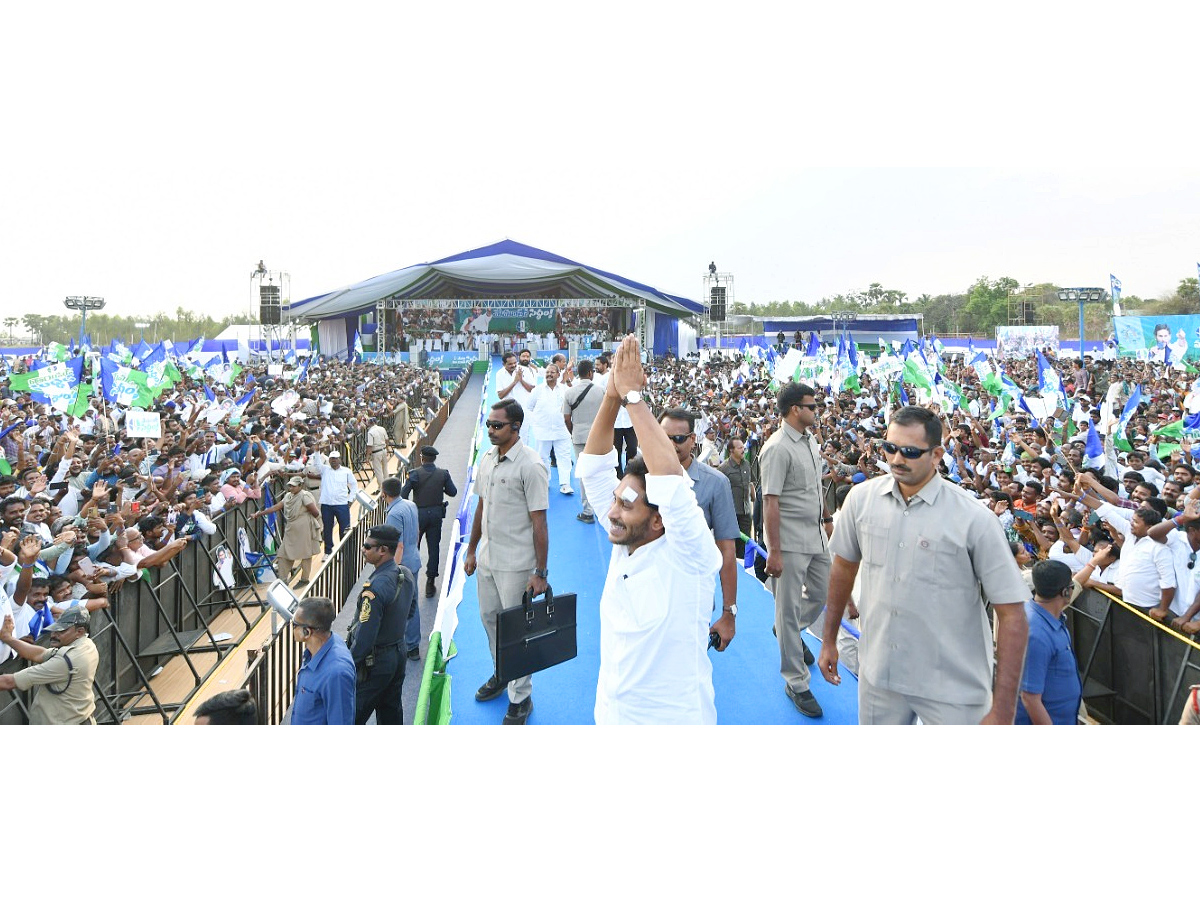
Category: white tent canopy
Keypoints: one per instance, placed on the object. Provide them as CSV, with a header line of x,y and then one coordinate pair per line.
x,y
505,269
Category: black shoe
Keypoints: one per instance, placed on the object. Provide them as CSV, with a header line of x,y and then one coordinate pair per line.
x,y
430,588
809,659
518,712
414,653
805,703
584,517
490,690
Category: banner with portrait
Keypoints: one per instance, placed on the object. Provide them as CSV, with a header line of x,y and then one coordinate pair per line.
x,y
1022,340
507,318
1152,337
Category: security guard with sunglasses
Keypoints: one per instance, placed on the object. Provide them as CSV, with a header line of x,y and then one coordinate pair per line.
x,y
377,631
794,520
65,671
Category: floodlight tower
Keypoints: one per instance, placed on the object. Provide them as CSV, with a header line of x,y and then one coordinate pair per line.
x,y
83,304
1082,296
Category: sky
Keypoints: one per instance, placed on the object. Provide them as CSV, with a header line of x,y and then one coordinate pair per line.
x,y
156,154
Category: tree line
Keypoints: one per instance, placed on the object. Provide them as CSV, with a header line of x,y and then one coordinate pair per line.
x,y
986,304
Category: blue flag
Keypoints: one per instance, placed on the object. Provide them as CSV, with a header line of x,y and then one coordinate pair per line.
x,y
43,618
1093,453
212,398
239,405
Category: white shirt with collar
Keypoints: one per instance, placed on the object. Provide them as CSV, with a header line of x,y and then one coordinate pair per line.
x,y
337,485
655,609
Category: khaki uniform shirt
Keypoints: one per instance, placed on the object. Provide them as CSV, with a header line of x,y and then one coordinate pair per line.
x,y
376,438
924,626
76,704
510,487
790,465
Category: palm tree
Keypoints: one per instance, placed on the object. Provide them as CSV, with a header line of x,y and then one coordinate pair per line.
x,y
11,322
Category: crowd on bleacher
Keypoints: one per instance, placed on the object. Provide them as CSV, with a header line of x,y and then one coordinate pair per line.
x,y
87,506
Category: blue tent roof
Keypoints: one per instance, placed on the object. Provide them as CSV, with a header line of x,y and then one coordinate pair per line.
x,y
503,269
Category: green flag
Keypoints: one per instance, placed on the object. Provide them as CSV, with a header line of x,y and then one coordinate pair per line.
x,y
80,405
914,374
20,382
1173,430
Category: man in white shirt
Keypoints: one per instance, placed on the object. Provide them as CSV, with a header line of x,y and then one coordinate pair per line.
x,y
337,488
1147,577
545,408
516,382
657,600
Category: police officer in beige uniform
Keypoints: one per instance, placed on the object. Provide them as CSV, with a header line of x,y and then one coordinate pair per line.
x,y
377,452
65,671
510,536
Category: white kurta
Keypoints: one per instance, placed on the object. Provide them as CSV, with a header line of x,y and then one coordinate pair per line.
x,y
655,609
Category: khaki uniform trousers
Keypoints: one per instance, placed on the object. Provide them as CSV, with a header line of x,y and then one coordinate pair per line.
x,y
800,594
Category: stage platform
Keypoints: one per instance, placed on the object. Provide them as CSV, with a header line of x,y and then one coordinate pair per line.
x,y
749,689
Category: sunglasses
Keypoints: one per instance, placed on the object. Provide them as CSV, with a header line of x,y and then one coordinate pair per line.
x,y
680,438
907,452
493,425
1192,561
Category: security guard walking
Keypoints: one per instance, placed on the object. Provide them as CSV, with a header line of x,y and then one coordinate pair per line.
x,y
377,633
429,485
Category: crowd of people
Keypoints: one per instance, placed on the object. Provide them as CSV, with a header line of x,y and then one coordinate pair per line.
x,y
828,485
1100,484
85,507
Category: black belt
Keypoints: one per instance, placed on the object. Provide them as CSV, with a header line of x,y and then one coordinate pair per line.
x,y
391,646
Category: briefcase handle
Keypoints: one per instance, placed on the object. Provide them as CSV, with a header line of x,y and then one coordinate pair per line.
x,y
527,601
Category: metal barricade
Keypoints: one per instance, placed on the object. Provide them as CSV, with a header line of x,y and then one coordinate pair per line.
x,y
167,612
1135,671
271,675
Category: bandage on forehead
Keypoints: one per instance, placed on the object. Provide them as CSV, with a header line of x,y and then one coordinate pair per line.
x,y
629,495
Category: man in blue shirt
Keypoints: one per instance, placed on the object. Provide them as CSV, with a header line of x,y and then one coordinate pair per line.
x,y
325,684
1050,686
402,515
715,497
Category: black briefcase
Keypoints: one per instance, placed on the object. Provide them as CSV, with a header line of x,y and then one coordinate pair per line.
x,y
535,635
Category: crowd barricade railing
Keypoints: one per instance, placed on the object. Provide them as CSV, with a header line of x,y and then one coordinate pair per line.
x,y
1135,670
433,699
271,674
166,613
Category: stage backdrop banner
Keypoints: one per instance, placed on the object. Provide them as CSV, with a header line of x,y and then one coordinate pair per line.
x,y
1022,340
514,318
1148,337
